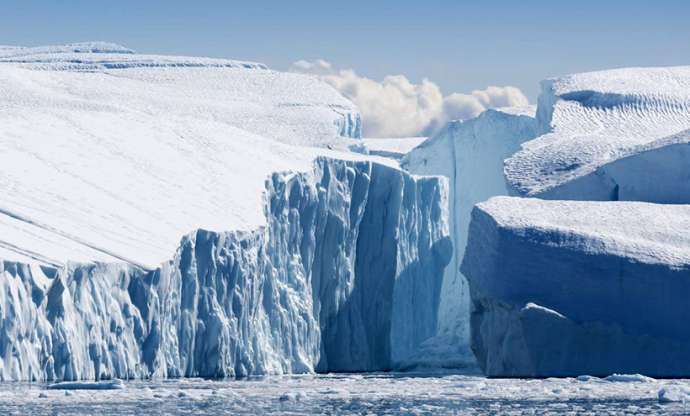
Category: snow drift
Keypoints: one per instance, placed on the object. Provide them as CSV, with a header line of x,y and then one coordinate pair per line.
x,y
561,288
303,259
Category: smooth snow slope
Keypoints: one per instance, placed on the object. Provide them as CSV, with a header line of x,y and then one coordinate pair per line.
x,y
579,287
109,155
632,116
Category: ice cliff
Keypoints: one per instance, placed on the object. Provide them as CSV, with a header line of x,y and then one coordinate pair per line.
x,y
605,136
563,288
470,154
296,256
343,278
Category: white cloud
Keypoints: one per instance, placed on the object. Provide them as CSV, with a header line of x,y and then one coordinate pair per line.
x,y
396,107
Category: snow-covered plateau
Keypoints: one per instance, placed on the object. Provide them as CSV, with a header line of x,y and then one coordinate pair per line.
x,y
175,216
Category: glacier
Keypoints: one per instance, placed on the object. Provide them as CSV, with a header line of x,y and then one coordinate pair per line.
x,y
562,288
177,216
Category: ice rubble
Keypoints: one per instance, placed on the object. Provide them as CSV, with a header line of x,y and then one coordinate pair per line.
x,y
579,287
304,258
115,384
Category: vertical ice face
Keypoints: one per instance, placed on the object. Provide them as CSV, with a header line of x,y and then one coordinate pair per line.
x,y
470,154
345,276
109,157
565,287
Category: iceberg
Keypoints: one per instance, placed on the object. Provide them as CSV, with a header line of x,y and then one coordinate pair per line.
x,y
563,288
117,164
175,216
470,154
609,135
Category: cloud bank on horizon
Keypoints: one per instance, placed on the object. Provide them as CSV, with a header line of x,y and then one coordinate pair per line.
x,y
396,107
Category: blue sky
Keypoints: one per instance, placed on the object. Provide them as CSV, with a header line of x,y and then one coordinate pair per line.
x,y
460,45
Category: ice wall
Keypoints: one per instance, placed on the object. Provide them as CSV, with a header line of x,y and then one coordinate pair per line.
x,y
345,276
564,288
470,153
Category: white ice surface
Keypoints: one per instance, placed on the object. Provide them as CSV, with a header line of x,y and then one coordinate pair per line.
x,y
109,155
641,231
597,118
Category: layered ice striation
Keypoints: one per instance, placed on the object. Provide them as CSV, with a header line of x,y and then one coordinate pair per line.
x,y
612,135
561,288
470,154
333,263
94,56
